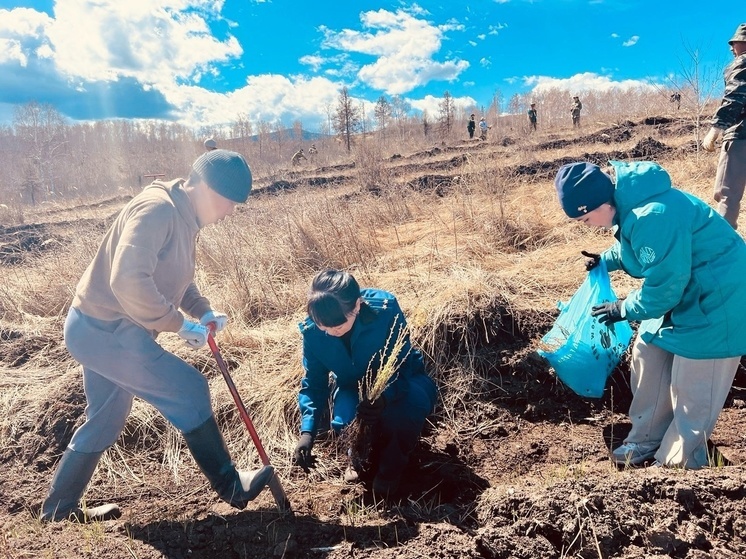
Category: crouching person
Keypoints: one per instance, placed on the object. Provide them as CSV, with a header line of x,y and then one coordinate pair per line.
x,y
133,289
351,333
690,305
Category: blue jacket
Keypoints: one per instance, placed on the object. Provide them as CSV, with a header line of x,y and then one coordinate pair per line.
x,y
379,316
693,264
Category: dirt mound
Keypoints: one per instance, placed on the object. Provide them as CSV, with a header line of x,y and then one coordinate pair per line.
x,y
656,120
615,134
283,185
440,184
622,515
648,148
18,242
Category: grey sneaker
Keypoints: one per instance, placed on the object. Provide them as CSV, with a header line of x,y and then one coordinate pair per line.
x,y
634,454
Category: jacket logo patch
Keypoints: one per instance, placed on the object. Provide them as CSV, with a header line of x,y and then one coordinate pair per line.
x,y
647,255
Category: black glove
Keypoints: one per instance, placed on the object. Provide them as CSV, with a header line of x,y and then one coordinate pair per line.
x,y
369,412
302,454
608,313
591,259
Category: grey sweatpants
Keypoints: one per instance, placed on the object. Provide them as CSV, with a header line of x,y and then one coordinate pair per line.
x,y
677,401
730,179
121,360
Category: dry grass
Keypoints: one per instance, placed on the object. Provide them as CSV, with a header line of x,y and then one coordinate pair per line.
x,y
470,269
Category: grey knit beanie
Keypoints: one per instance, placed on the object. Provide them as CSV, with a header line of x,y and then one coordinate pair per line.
x,y
225,172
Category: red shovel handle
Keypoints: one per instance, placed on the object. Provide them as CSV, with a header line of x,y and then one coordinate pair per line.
x,y
274,485
237,398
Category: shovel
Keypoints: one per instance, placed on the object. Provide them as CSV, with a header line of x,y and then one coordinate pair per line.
x,y
274,484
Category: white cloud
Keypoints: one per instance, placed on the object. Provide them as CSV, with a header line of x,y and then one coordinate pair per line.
x,y
495,29
615,35
404,47
155,42
11,51
631,41
486,62
163,47
473,43
587,81
431,104
481,36
267,97
23,35
452,25
312,60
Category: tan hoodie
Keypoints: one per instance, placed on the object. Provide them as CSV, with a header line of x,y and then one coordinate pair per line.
x,y
144,268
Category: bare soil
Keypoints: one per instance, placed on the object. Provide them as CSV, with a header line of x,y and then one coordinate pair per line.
x,y
526,475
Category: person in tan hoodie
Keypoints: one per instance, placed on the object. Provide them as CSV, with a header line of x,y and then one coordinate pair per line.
x,y
139,284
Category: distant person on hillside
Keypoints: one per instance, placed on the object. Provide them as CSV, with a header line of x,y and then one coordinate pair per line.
x,y
297,156
210,144
471,126
676,98
313,152
349,333
730,121
532,117
142,274
483,129
690,305
575,109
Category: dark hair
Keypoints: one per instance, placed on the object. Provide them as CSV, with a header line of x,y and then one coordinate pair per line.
x,y
332,298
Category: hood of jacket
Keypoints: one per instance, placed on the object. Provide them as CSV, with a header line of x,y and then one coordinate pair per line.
x,y
636,183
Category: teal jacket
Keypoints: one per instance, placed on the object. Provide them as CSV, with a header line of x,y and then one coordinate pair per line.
x,y
373,334
693,298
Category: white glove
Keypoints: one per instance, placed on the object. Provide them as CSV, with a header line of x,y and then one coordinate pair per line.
x,y
709,142
220,319
193,333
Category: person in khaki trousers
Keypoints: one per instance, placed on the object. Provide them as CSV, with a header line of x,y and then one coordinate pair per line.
x,y
690,306
730,122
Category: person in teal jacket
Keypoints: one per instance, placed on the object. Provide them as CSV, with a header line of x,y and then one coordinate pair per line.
x,y
690,305
349,332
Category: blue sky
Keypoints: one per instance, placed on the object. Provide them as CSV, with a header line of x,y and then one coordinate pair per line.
x,y
207,62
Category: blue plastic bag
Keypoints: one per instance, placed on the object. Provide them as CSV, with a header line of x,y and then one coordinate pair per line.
x,y
582,351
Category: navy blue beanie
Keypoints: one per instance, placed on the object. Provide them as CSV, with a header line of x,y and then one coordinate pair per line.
x,y
225,172
582,187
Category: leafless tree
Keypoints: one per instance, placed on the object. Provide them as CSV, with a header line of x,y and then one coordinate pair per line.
x,y
382,114
400,109
346,118
446,112
41,130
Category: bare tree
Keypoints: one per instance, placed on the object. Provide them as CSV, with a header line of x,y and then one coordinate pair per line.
x,y
399,111
382,113
41,129
446,114
426,124
346,117
699,82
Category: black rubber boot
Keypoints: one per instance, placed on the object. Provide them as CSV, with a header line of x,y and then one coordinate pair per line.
x,y
235,488
68,484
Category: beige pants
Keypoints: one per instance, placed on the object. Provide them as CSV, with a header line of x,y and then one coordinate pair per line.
x,y
730,179
677,401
